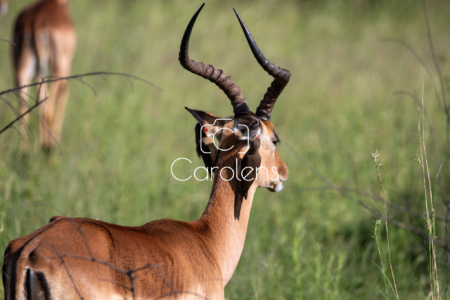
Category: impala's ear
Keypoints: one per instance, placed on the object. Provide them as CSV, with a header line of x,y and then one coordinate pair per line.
x,y
248,172
209,123
202,117
247,127
205,148
206,128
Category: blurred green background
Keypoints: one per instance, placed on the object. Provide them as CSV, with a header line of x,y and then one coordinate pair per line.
x,y
306,242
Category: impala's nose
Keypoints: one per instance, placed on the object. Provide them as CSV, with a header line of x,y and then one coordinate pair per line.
x,y
276,187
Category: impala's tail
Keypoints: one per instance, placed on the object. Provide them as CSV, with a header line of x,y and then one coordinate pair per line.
x,y
36,286
20,281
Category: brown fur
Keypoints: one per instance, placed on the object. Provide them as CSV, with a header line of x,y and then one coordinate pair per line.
x,y
45,41
192,258
189,260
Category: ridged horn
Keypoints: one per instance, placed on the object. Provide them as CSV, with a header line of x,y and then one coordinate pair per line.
x,y
281,76
223,81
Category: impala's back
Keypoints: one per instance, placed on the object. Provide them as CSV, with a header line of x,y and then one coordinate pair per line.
x,y
83,269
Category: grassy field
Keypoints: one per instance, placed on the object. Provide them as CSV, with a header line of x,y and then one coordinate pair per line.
x,y
307,242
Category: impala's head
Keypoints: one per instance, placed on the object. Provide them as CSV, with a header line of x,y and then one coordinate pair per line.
x,y
3,7
236,133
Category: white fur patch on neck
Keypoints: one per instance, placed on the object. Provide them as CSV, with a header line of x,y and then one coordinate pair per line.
x,y
279,187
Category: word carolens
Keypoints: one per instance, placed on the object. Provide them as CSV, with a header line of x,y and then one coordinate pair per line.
x,y
240,178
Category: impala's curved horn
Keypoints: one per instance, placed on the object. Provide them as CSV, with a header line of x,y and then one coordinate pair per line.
x,y
224,82
281,76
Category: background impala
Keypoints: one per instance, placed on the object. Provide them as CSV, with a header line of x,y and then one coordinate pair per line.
x,y
305,242
3,7
44,44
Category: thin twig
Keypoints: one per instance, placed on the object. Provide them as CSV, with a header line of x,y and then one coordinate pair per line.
x,y
348,189
422,62
25,103
129,273
114,282
19,117
374,157
21,100
431,129
49,80
16,112
52,79
345,194
3,40
447,113
61,257
378,222
430,222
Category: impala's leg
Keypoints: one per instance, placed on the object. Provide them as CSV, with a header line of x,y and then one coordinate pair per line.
x,y
64,46
24,70
43,48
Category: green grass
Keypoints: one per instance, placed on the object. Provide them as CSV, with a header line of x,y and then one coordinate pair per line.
x,y
302,243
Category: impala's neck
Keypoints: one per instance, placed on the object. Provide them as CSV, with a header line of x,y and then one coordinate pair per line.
x,y
225,234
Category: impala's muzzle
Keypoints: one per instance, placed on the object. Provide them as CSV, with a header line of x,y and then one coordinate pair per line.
x,y
283,176
276,187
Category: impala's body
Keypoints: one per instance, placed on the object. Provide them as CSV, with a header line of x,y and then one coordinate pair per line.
x,y
177,248
45,42
72,258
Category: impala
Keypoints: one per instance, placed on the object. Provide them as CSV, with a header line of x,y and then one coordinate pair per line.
x,y
3,7
71,258
44,41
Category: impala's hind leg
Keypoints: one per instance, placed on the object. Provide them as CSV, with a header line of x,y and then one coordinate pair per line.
x,y
43,51
64,50
25,68
59,90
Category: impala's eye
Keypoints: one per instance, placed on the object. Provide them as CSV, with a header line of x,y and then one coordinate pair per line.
x,y
275,143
